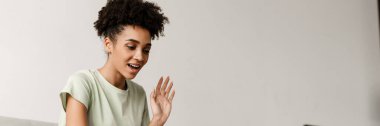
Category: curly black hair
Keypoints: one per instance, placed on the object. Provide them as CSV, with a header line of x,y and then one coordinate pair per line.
x,y
119,13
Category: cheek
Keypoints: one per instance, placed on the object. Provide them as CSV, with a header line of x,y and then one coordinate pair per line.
x,y
127,56
122,56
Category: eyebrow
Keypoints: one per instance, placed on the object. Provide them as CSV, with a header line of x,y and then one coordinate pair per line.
x,y
134,40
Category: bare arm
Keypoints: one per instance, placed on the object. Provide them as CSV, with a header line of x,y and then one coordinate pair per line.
x,y
76,112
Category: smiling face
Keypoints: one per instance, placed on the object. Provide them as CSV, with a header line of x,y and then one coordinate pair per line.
x,y
129,50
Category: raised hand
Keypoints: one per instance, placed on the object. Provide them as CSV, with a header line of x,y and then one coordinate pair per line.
x,y
161,101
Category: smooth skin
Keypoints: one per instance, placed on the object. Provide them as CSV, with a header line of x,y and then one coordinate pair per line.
x,y
131,46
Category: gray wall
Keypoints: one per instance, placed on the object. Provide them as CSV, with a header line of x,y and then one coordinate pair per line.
x,y
243,62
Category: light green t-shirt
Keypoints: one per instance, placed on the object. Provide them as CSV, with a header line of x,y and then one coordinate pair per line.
x,y
106,104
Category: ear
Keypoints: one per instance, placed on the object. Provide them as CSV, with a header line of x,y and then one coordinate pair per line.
x,y
108,44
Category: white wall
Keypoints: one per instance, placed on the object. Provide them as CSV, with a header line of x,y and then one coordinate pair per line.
x,y
245,62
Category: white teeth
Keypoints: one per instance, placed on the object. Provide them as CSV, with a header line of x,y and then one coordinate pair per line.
x,y
134,66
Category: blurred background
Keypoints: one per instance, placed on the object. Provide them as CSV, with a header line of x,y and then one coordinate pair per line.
x,y
240,63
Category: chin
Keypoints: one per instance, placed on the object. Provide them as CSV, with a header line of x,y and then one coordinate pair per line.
x,y
130,73
129,76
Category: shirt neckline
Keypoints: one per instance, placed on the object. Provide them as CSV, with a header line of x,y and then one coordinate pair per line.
x,y
109,85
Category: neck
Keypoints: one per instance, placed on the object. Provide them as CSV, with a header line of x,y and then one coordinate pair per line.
x,y
113,76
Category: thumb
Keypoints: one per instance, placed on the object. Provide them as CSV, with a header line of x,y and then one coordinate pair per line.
x,y
152,97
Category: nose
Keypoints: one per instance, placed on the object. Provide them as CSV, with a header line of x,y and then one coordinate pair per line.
x,y
139,56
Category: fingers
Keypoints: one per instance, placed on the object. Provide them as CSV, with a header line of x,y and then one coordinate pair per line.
x,y
172,96
164,89
167,91
164,86
158,87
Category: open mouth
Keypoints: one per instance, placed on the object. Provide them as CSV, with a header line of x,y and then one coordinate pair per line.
x,y
134,66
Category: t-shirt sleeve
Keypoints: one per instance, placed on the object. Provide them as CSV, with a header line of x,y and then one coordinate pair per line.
x,y
146,119
78,86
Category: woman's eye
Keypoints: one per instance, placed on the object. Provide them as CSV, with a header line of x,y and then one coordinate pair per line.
x,y
146,51
131,47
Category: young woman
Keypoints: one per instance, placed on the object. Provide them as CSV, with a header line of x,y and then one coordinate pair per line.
x,y
107,96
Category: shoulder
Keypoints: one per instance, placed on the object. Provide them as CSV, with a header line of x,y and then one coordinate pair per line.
x,y
79,86
81,77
